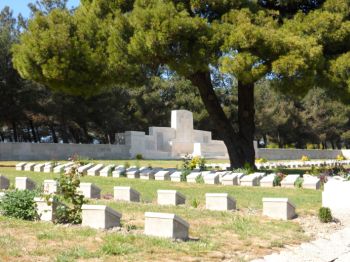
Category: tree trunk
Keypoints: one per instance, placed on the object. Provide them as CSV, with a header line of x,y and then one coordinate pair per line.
x,y
33,131
239,143
15,135
53,133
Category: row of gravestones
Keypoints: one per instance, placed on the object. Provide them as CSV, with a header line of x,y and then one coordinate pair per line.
x,y
209,177
288,164
156,224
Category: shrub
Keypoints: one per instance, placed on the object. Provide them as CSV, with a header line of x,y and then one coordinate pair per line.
x,y
305,158
195,203
311,146
199,180
325,215
260,160
19,204
184,175
69,209
126,165
278,178
299,182
340,158
272,145
138,157
190,163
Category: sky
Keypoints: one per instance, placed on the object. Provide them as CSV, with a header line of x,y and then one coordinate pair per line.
x,y
21,6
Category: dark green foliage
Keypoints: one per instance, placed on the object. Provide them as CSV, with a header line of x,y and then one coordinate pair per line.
x,y
199,179
69,211
139,157
19,204
325,215
299,182
184,174
278,178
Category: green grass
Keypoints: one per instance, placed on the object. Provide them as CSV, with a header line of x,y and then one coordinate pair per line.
x,y
244,230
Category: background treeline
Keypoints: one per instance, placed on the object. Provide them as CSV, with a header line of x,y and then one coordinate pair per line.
x,y
32,113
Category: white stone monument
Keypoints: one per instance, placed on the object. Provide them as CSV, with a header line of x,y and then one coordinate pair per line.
x,y
166,225
230,179
267,181
95,171
133,172
250,180
106,171
20,166
50,186
45,211
176,176
89,190
191,178
289,181
336,196
84,168
100,217
219,202
278,208
170,197
119,171
126,194
29,167
163,175
211,178
311,182
23,183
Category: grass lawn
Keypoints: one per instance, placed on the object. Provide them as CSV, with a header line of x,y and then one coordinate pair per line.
x,y
238,236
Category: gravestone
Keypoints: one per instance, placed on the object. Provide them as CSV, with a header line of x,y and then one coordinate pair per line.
x,y
106,171
311,182
336,196
191,178
83,169
23,183
219,201
46,212
250,180
133,172
100,217
148,173
278,208
211,178
166,225
95,171
230,179
48,168
89,190
119,171
267,181
170,197
289,181
39,167
163,175
20,166
126,194
4,182
176,176
29,167
50,186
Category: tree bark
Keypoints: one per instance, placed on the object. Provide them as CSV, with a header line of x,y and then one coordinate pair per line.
x,y
15,135
53,133
239,142
31,124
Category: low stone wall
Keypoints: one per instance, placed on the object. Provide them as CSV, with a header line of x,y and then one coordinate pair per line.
x,y
296,154
46,151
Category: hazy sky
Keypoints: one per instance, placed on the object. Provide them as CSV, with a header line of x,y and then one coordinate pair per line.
x,y
21,6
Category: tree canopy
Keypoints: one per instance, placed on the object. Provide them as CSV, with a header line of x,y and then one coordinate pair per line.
x,y
296,44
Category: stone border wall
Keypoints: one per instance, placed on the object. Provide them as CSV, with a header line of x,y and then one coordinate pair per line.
x,y
296,154
48,151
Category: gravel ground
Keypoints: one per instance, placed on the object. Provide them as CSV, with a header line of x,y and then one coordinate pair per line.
x,y
332,243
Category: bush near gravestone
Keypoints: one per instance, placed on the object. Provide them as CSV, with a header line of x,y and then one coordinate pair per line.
x,y
299,182
325,215
68,199
19,204
278,178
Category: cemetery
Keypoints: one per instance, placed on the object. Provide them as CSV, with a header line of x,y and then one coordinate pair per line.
x,y
166,130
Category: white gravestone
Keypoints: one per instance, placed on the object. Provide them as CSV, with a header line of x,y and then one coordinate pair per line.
x,y
166,225
250,180
230,179
119,171
48,168
23,183
50,186
267,181
46,212
219,202
311,182
163,175
191,178
100,217
176,176
289,181
336,196
39,167
106,171
89,190
133,172
83,169
148,173
211,178
278,208
20,166
126,194
170,197
29,167
61,167
4,182
94,171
